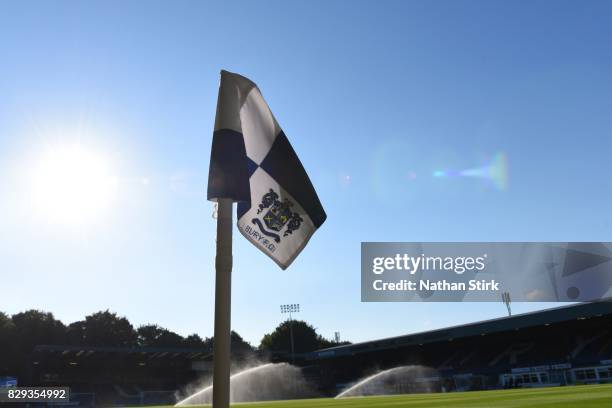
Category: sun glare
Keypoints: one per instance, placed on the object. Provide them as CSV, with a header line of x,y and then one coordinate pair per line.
x,y
71,185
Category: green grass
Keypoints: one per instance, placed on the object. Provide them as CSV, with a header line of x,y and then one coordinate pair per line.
x,y
583,396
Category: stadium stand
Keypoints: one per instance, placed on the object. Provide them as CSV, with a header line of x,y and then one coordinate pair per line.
x,y
111,376
566,345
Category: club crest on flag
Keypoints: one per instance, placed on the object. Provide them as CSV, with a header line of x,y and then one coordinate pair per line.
x,y
278,216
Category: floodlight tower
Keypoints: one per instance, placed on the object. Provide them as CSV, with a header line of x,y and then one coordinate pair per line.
x,y
506,300
291,308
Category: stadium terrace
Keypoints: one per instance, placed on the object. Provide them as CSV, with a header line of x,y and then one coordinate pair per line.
x,y
561,346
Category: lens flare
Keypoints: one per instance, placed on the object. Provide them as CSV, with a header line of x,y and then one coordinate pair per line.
x,y
345,180
495,171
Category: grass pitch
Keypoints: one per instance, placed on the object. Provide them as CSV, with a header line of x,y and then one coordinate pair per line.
x,y
583,396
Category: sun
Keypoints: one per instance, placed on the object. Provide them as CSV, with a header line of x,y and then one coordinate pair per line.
x,y
72,185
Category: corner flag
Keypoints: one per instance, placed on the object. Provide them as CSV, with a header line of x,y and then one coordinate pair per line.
x,y
253,163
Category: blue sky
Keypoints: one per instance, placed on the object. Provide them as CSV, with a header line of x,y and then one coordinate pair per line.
x,y
375,97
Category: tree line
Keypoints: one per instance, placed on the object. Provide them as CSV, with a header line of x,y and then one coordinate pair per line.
x,y
21,332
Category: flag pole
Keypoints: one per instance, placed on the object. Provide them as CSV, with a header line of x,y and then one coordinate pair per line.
x,y
223,296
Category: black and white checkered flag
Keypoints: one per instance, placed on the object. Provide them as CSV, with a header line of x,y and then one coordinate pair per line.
x,y
253,163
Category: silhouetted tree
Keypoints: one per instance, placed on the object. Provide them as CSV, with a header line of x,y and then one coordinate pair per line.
x,y
107,329
5,321
75,333
194,341
152,335
34,327
305,338
7,345
239,345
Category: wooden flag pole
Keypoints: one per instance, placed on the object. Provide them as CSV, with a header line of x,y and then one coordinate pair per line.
x,y
223,297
